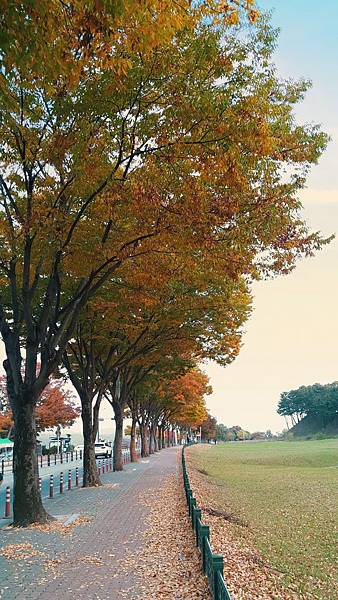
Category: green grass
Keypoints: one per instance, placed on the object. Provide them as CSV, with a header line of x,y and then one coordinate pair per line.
x,y
287,492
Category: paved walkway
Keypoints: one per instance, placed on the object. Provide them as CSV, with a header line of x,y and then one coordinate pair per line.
x,y
85,563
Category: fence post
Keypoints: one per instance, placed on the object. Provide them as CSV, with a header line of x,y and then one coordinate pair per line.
x,y
69,479
217,567
192,502
51,486
8,502
197,516
77,477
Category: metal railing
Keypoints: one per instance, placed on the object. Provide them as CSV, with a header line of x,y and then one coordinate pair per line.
x,y
55,483
212,563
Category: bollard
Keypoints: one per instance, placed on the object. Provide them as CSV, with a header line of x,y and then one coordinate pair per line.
x,y
41,460
51,486
8,502
66,456
61,458
75,454
110,464
80,454
69,479
48,460
2,466
77,477
99,467
55,458
39,485
103,467
61,482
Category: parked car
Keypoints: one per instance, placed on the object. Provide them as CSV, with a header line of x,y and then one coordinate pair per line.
x,y
102,450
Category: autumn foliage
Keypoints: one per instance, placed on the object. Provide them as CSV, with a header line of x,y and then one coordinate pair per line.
x,y
150,171
56,406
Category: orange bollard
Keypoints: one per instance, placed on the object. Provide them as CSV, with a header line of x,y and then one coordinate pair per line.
x,y
8,502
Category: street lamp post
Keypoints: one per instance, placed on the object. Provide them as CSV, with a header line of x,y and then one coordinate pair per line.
x,y
98,428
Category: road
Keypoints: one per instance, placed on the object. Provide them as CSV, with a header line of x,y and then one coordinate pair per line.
x,y
45,473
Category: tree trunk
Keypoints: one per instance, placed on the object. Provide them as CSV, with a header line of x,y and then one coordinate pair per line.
x,y
151,441
133,452
90,474
155,440
27,505
144,441
117,458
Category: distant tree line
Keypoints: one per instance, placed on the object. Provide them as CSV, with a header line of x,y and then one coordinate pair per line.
x,y
315,400
211,430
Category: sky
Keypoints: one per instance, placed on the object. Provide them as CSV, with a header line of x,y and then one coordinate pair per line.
x,y
292,337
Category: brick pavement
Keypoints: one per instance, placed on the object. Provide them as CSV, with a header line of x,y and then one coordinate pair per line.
x,y
89,556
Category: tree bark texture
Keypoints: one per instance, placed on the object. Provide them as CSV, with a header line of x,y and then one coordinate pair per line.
x,y
90,473
133,452
117,458
144,441
27,504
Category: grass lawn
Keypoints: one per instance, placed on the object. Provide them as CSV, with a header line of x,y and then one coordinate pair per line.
x,y
287,494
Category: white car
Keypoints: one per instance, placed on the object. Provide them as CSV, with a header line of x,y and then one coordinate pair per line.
x,y
102,450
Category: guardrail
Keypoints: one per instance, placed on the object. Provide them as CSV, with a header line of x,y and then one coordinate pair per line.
x,y
48,460
55,483
212,563
44,460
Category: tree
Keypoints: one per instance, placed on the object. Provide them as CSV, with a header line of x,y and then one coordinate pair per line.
x,y
318,400
182,152
209,428
55,407
221,431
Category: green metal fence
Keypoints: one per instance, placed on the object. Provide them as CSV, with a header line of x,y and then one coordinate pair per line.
x,y
212,563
